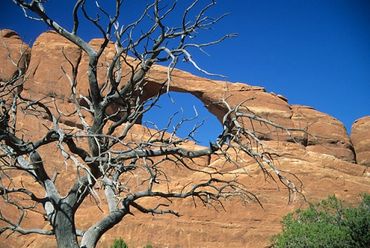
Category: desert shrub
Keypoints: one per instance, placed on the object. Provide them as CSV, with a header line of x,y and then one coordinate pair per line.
x,y
119,243
327,224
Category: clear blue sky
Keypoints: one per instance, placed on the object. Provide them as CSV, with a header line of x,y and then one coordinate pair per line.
x,y
314,52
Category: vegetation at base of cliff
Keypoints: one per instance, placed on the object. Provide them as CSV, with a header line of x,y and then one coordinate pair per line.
x,y
327,224
120,243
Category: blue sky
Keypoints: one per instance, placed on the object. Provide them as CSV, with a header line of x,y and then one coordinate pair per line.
x,y
314,52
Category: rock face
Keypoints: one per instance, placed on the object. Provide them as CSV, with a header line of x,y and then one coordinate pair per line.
x,y
325,134
321,155
360,137
49,66
14,54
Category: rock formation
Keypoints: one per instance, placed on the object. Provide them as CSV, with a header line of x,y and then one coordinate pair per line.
x,y
360,137
14,54
326,134
322,157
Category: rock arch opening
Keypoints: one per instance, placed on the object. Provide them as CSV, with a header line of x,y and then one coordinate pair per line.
x,y
184,113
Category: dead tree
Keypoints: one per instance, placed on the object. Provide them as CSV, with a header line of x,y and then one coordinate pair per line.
x,y
101,153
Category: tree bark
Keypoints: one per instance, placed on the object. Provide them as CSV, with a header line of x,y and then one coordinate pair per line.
x,y
64,226
93,234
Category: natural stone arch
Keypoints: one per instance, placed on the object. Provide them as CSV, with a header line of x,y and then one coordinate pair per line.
x,y
186,106
332,139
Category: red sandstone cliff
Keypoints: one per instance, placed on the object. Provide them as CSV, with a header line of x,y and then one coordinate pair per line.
x,y
324,160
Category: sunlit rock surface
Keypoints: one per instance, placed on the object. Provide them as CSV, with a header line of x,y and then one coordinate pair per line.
x,y
322,157
14,54
360,137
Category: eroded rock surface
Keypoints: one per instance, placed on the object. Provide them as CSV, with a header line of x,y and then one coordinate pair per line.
x,y
360,137
53,58
325,134
14,54
321,157
51,63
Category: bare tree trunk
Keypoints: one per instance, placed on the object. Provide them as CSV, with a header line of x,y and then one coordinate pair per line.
x,y
94,233
64,227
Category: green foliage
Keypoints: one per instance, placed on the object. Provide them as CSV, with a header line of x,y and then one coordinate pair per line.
x,y
327,224
119,243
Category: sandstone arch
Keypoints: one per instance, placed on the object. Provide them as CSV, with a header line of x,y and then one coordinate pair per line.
x,y
327,135
195,114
